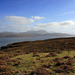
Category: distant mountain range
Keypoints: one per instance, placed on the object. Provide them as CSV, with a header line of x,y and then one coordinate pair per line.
x,y
31,34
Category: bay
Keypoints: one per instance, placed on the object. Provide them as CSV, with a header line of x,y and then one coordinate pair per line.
x,y
8,40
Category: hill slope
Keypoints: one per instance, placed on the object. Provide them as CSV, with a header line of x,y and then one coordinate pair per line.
x,y
58,44
42,57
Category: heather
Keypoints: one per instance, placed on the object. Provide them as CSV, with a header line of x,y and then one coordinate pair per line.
x,y
46,57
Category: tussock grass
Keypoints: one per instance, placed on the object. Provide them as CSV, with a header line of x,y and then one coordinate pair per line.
x,y
30,63
46,55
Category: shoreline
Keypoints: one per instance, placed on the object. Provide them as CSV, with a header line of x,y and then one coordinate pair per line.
x,y
32,39
58,38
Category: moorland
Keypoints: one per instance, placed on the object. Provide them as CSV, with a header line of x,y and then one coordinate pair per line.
x,y
40,57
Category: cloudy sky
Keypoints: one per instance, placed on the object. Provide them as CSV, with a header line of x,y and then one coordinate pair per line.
x,y
26,15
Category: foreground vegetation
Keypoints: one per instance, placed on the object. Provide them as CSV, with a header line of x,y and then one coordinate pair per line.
x,y
47,57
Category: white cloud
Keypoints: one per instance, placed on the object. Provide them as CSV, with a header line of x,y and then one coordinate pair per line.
x,y
22,24
17,23
38,17
62,27
67,23
56,24
47,24
19,20
21,28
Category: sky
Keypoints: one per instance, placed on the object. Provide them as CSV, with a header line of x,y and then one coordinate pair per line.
x,y
25,15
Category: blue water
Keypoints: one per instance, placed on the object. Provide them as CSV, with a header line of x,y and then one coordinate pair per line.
x,y
7,40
